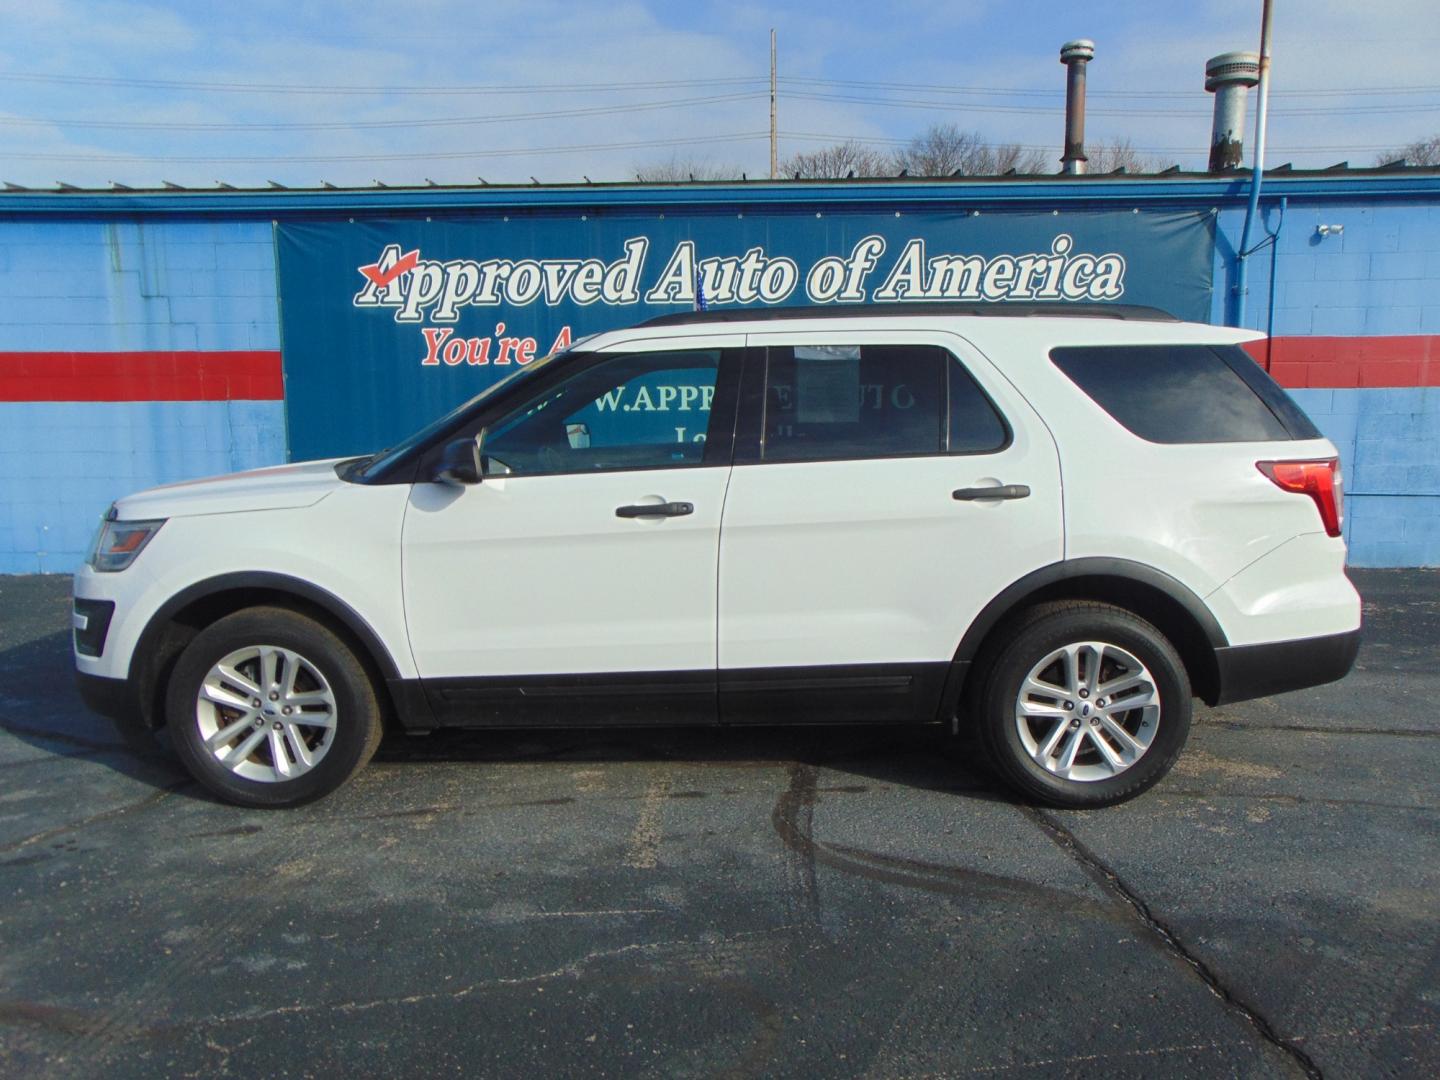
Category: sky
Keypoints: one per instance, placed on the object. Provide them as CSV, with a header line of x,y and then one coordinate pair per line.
x,y
300,92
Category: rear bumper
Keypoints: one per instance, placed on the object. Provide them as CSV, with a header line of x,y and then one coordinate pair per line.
x,y
1253,671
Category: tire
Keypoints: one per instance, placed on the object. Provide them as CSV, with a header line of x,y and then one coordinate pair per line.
x,y
1120,748
317,710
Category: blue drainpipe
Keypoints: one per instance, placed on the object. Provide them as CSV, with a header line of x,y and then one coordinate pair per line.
x,y
1257,171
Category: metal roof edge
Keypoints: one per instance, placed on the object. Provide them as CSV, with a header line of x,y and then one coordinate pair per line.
x,y
1089,191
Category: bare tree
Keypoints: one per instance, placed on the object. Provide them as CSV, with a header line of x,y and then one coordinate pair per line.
x,y
1022,159
836,162
1108,155
947,150
677,168
1421,152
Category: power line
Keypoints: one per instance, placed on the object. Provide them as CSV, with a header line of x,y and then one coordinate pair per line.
x,y
1201,105
600,147
618,109
620,86
264,159
812,136
1059,92
342,125
317,88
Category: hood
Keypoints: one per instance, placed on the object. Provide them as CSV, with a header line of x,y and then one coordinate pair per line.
x,y
280,487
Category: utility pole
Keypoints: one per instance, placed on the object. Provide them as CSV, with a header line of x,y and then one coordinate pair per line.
x,y
774,142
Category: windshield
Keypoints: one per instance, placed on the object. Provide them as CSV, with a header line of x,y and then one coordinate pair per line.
x,y
383,459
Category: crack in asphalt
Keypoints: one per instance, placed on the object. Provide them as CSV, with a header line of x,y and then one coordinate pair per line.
x,y
1051,1064
1112,883
573,969
693,952
104,815
64,738
1316,729
1293,800
57,755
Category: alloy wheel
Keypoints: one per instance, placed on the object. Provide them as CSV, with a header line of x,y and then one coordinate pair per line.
x,y
266,713
1087,711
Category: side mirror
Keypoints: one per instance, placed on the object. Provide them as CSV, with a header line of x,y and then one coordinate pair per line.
x,y
460,463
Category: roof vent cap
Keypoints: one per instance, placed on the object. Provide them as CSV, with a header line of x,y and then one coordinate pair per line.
x,y
1232,68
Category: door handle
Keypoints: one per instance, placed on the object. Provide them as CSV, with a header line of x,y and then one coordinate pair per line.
x,y
1003,491
669,509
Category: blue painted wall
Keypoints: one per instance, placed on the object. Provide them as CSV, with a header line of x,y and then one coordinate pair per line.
x,y
123,286
62,463
88,286
1381,276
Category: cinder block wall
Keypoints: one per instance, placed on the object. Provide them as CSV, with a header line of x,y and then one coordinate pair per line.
x,y
1356,320
130,355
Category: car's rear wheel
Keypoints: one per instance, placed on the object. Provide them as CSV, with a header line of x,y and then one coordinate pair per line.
x,y
1083,704
268,708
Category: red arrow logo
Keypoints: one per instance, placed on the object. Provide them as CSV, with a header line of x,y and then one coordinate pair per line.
x,y
381,278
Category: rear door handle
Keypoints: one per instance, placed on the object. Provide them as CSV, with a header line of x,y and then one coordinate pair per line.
x,y
1003,491
669,509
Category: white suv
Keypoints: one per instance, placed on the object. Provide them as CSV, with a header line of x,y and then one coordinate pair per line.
x,y
1055,524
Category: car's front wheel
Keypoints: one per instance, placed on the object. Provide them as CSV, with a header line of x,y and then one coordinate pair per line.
x,y
1084,704
269,708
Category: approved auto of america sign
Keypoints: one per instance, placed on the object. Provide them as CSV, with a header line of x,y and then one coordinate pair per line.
x,y
417,288
388,321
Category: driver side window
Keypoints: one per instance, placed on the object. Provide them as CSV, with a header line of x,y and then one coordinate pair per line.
x,y
636,411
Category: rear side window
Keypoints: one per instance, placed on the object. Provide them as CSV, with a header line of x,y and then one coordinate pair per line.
x,y
1185,393
975,426
845,402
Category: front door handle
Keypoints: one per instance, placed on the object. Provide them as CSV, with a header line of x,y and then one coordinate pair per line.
x,y
668,509
1003,491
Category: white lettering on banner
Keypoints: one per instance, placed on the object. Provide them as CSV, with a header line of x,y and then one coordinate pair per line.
x,y
677,280
412,285
731,280
417,288
1052,275
836,280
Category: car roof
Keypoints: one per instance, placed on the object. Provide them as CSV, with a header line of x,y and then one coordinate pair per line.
x,y
1046,325
944,309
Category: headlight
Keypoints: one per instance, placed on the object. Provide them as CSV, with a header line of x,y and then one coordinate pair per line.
x,y
119,542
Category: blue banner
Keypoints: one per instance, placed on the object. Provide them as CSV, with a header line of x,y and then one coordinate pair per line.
x,y
387,323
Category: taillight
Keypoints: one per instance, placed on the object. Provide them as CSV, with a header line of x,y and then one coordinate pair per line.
x,y
1321,480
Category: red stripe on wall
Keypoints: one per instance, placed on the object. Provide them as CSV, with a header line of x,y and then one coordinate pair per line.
x,y
141,376
1295,362
1343,362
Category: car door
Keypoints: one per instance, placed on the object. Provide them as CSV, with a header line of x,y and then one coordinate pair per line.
x,y
859,541
575,584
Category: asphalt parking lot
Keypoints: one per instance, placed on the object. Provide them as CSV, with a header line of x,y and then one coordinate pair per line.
x,y
853,902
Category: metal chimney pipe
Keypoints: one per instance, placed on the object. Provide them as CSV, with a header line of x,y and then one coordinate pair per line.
x,y
1228,76
1075,55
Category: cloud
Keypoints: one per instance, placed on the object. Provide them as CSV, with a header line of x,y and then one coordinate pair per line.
x,y
447,43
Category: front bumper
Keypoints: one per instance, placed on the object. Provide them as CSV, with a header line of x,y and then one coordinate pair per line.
x,y
114,698
1253,671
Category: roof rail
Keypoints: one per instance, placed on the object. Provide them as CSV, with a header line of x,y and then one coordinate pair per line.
x,y
1014,309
